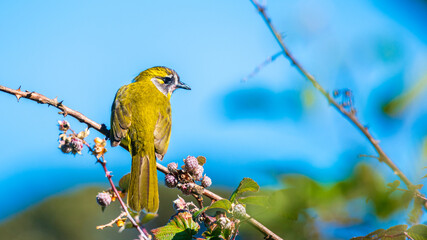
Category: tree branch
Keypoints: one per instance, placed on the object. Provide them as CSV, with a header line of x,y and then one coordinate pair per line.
x,y
350,116
103,130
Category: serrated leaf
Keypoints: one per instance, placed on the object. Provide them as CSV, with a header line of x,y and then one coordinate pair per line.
x,y
222,204
201,160
395,230
246,185
124,182
254,200
180,227
418,232
376,233
170,232
393,233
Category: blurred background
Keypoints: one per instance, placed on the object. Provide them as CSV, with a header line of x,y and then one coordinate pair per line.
x,y
273,126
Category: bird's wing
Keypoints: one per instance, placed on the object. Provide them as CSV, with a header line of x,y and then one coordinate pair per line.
x,y
120,116
162,133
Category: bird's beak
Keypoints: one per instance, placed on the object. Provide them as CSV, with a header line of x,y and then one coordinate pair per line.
x,y
183,86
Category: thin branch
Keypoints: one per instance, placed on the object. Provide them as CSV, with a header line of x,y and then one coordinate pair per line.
x,y
262,65
110,224
350,116
125,208
103,130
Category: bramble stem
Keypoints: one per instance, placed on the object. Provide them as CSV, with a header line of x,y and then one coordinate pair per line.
x,y
103,130
350,116
125,208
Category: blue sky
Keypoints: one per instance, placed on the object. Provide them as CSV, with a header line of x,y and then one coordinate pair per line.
x,y
83,51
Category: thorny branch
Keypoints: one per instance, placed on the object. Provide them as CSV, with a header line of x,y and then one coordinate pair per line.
x,y
103,130
350,116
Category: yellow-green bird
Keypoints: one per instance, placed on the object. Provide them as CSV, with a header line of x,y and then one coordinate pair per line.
x,y
141,121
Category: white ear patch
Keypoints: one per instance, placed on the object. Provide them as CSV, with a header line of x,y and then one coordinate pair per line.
x,y
159,86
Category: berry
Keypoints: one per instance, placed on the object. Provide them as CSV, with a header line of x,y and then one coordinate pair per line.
x,y
239,211
103,199
198,173
170,180
206,181
76,144
172,167
66,148
223,222
191,163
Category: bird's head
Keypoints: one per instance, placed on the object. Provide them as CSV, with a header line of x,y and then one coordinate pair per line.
x,y
165,79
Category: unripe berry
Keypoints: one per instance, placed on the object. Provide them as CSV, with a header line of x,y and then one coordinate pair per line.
x,y
76,144
239,211
103,199
172,167
206,181
170,180
66,148
223,222
191,163
198,173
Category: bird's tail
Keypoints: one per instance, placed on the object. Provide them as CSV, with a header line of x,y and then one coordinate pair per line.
x,y
143,187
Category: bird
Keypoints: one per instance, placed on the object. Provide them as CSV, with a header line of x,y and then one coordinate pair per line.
x,y
141,122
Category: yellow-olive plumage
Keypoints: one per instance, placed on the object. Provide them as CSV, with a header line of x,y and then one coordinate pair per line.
x,y
141,121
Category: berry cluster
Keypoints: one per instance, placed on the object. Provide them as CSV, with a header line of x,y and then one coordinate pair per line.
x,y
71,143
186,177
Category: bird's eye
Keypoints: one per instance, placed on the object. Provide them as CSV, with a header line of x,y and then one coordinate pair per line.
x,y
167,80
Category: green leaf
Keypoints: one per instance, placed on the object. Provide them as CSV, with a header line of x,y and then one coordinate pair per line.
x,y
418,232
198,212
214,234
180,227
395,230
124,182
222,204
394,184
393,233
254,200
373,235
246,185
201,160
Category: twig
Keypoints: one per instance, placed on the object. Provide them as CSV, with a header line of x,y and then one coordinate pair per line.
x,y
131,219
103,130
350,116
110,224
262,65
108,175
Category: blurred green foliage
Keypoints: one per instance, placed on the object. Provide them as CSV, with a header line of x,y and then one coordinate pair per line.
x,y
294,210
